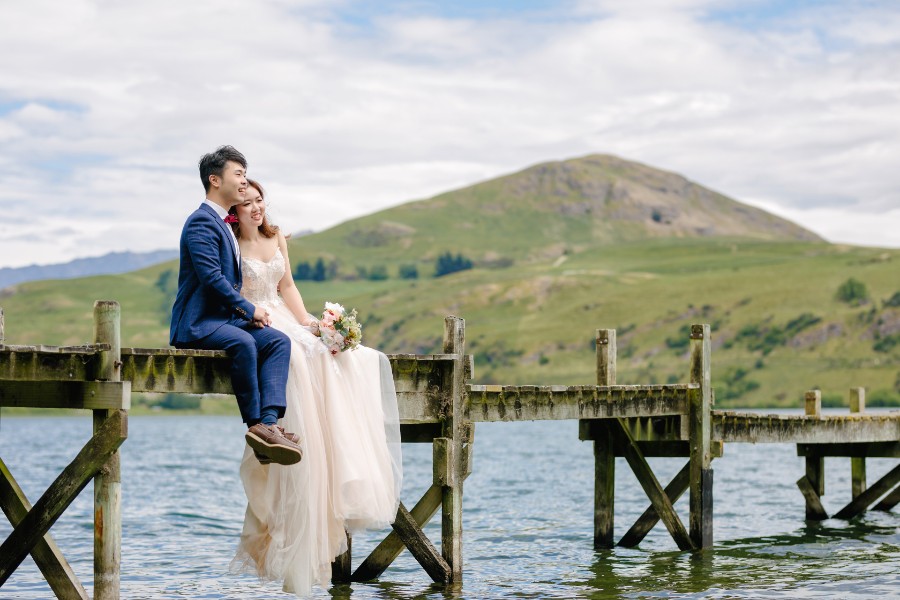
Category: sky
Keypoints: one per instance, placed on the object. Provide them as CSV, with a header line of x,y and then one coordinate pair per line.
x,y
347,107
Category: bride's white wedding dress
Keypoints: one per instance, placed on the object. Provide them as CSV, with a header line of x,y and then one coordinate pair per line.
x,y
344,408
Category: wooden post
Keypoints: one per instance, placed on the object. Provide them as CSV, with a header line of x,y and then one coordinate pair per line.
x,y
2,327
453,428
858,465
815,465
604,448
699,427
340,568
107,484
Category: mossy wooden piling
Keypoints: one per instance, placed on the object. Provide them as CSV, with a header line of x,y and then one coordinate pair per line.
x,y
437,405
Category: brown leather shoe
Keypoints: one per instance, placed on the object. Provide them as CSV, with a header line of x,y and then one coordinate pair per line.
x,y
269,442
291,437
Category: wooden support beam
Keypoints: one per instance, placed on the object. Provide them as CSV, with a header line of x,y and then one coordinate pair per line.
x,y
815,466
754,428
60,494
863,449
95,395
604,447
341,566
454,423
421,547
46,554
562,402
860,503
858,465
650,517
391,547
814,509
654,491
700,430
643,429
889,501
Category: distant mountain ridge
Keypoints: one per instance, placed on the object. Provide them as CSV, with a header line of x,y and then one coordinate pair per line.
x,y
108,264
547,210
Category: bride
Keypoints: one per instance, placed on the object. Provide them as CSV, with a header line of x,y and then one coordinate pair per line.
x,y
344,409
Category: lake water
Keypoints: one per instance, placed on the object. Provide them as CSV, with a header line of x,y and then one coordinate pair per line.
x,y
528,509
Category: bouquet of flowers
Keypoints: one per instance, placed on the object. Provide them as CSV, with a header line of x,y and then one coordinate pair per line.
x,y
338,329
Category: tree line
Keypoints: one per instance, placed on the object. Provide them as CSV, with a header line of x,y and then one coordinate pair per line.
x,y
320,270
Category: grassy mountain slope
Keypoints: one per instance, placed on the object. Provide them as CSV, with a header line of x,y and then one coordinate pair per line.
x,y
543,212
778,328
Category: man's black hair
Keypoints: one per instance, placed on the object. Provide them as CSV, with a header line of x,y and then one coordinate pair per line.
x,y
214,163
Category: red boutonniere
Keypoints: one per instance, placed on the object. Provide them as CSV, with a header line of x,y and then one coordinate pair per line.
x,y
231,219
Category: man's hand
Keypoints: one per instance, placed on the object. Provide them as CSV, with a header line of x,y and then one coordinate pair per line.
x,y
261,317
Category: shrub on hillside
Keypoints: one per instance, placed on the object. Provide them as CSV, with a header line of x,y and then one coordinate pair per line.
x,y
886,343
852,292
893,301
446,263
410,271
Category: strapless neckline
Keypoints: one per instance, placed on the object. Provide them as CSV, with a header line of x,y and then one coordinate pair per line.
x,y
265,262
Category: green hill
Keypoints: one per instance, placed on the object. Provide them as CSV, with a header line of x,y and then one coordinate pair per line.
x,y
561,249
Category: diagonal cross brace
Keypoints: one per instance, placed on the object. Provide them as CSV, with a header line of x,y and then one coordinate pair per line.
x,y
869,496
658,497
390,548
74,478
421,547
648,520
46,554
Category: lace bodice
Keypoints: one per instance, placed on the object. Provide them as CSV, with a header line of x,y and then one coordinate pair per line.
x,y
261,279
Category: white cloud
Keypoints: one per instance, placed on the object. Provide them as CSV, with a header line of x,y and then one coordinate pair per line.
x,y
105,108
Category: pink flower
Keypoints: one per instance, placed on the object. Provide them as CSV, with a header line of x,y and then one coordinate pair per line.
x,y
231,219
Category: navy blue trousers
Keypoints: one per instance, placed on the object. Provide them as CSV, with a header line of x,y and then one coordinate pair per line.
x,y
259,366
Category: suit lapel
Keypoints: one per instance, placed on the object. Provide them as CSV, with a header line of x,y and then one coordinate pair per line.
x,y
228,239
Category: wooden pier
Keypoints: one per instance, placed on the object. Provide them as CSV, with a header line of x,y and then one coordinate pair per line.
x,y
439,407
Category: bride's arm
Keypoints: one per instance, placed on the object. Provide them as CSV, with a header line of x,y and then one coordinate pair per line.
x,y
289,292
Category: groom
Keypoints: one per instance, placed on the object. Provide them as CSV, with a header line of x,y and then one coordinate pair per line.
x,y
210,313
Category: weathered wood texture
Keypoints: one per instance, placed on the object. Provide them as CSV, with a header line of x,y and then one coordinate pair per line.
x,y
421,547
111,395
454,423
815,465
648,520
857,464
814,509
46,554
48,363
60,494
391,547
658,497
700,436
604,446
868,497
889,501
555,402
755,428
108,482
340,568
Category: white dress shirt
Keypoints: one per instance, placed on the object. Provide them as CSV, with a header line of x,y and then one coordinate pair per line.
x,y
222,214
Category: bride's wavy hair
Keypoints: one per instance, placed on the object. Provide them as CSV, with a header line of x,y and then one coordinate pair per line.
x,y
266,229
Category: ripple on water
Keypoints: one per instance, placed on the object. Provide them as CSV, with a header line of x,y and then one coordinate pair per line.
x,y
527,521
